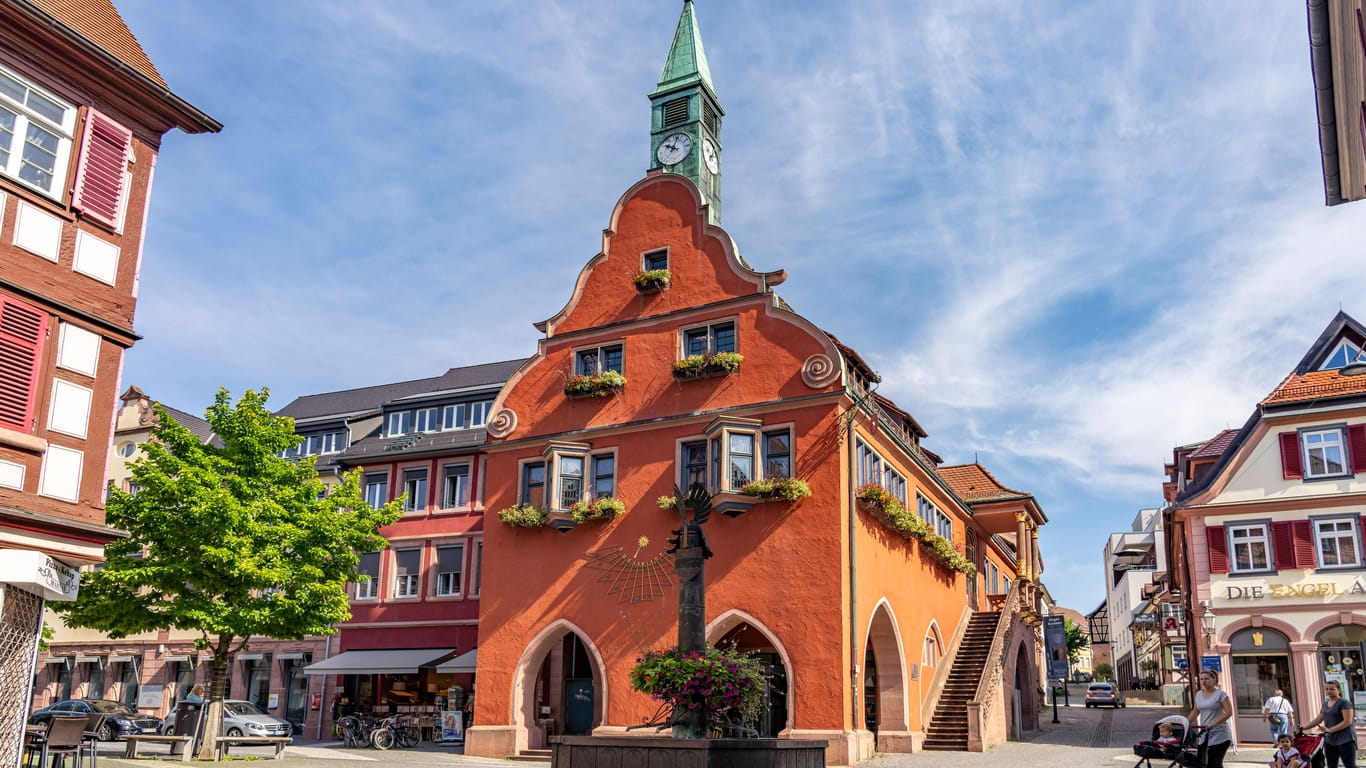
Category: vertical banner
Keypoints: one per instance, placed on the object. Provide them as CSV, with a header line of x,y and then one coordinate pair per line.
x,y
1055,644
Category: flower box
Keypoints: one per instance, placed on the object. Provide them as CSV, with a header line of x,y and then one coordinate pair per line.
x,y
705,366
652,280
604,385
523,516
597,509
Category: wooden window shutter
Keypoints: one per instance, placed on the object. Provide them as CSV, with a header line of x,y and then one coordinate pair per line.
x,y
1356,444
1283,543
104,157
1292,464
1304,544
1218,548
23,329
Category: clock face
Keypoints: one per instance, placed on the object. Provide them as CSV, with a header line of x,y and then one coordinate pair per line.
x,y
709,155
674,148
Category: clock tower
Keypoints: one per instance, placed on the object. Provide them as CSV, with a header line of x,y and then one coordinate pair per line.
x,y
685,115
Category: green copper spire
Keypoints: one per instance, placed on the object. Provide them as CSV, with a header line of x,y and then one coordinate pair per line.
x,y
685,122
687,62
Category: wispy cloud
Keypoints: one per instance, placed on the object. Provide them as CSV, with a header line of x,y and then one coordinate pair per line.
x,y
1070,236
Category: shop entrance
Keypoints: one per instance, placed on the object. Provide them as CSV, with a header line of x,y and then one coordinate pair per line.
x,y
1341,650
566,691
296,692
1260,665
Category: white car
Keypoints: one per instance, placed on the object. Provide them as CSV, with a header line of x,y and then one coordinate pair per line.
x,y
242,718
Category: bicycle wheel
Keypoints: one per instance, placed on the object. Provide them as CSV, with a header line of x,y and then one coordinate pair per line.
x,y
409,738
382,738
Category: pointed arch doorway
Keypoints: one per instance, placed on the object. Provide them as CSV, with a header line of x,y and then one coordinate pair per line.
x,y
884,683
560,686
747,634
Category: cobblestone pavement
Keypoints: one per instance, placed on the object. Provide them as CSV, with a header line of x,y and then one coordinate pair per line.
x,y
1094,738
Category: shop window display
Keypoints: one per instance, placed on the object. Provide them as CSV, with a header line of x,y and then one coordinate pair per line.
x,y
1341,650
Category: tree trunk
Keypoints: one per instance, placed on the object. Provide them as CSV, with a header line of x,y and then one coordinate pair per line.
x,y
213,709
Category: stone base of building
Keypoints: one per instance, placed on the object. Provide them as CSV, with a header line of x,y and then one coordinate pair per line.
x,y
900,741
666,752
842,747
496,741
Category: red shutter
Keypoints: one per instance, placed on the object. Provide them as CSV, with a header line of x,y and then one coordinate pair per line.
x,y
22,331
104,157
1356,442
1292,464
1304,545
1283,544
1218,548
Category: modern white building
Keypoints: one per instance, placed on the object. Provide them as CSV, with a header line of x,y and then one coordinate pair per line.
x,y
1135,560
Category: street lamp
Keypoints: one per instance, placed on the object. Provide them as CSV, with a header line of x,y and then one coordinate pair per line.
x,y
1207,624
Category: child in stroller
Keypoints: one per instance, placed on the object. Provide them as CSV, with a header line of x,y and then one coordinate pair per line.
x,y
1286,756
1310,747
1171,738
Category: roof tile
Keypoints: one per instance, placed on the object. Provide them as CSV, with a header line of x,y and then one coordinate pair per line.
x,y
974,484
1315,385
100,23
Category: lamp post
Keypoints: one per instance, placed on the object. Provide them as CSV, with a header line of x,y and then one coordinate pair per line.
x,y
1207,620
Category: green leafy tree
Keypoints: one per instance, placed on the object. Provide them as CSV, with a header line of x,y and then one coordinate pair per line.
x,y
230,542
1077,640
1102,671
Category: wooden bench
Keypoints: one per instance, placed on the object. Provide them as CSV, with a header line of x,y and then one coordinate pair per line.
x,y
280,742
130,751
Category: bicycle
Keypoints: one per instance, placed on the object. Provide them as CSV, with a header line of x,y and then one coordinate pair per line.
x,y
398,731
356,731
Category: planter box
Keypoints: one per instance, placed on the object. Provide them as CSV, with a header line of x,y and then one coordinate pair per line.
x,y
705,372
658,287
665,752
590,394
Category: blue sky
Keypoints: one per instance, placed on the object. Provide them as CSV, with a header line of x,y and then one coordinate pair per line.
x,y
1069,237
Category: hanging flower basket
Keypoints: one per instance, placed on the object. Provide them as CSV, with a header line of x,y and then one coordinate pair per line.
x,y
703,366
651,280
604,385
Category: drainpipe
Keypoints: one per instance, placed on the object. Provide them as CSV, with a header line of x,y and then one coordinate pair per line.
x,y
322,705
854,660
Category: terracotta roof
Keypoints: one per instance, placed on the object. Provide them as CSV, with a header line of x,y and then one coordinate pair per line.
x,y
1315,385
100,23
1215,446
974,484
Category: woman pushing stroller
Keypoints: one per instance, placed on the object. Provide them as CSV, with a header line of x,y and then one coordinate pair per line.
x,y
1339,733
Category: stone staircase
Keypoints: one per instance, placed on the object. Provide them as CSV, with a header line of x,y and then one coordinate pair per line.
x,y
948,729
531,756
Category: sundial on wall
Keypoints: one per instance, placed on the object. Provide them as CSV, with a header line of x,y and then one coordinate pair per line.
x,y
631,580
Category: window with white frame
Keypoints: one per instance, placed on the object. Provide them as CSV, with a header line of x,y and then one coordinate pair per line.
x,y
1337,543
456,489
709,339
450,569
734,456
414,489
479,412
368,567
927,511
427,419
407,572
1344,354
400,423
1179,657
35,134
1173,611
333,442
568,481
1324,455
1251,548
596,361
377,489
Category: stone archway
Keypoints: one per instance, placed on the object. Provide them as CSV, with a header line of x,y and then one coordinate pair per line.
x,y
543,680
885,672
748,633
1021,675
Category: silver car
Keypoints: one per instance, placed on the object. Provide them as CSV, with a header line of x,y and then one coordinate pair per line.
x,y
242,718
1107,694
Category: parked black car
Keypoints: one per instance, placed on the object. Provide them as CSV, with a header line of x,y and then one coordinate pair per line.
x,y
119,719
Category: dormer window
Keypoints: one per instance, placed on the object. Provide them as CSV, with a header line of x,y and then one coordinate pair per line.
x,y
437,418
1343,355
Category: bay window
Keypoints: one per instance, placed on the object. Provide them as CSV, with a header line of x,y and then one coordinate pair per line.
x,y
735,452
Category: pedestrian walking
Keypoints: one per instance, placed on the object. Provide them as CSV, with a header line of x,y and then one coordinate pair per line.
x,y
1279,713
1340,736
1211,713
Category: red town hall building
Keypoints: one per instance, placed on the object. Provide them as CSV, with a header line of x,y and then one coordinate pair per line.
x,y
82,114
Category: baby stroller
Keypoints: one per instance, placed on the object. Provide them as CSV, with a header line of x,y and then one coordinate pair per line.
x,y
1149,750
1310,747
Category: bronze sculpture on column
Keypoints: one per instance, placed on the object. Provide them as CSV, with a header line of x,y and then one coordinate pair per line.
x,y
690,551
